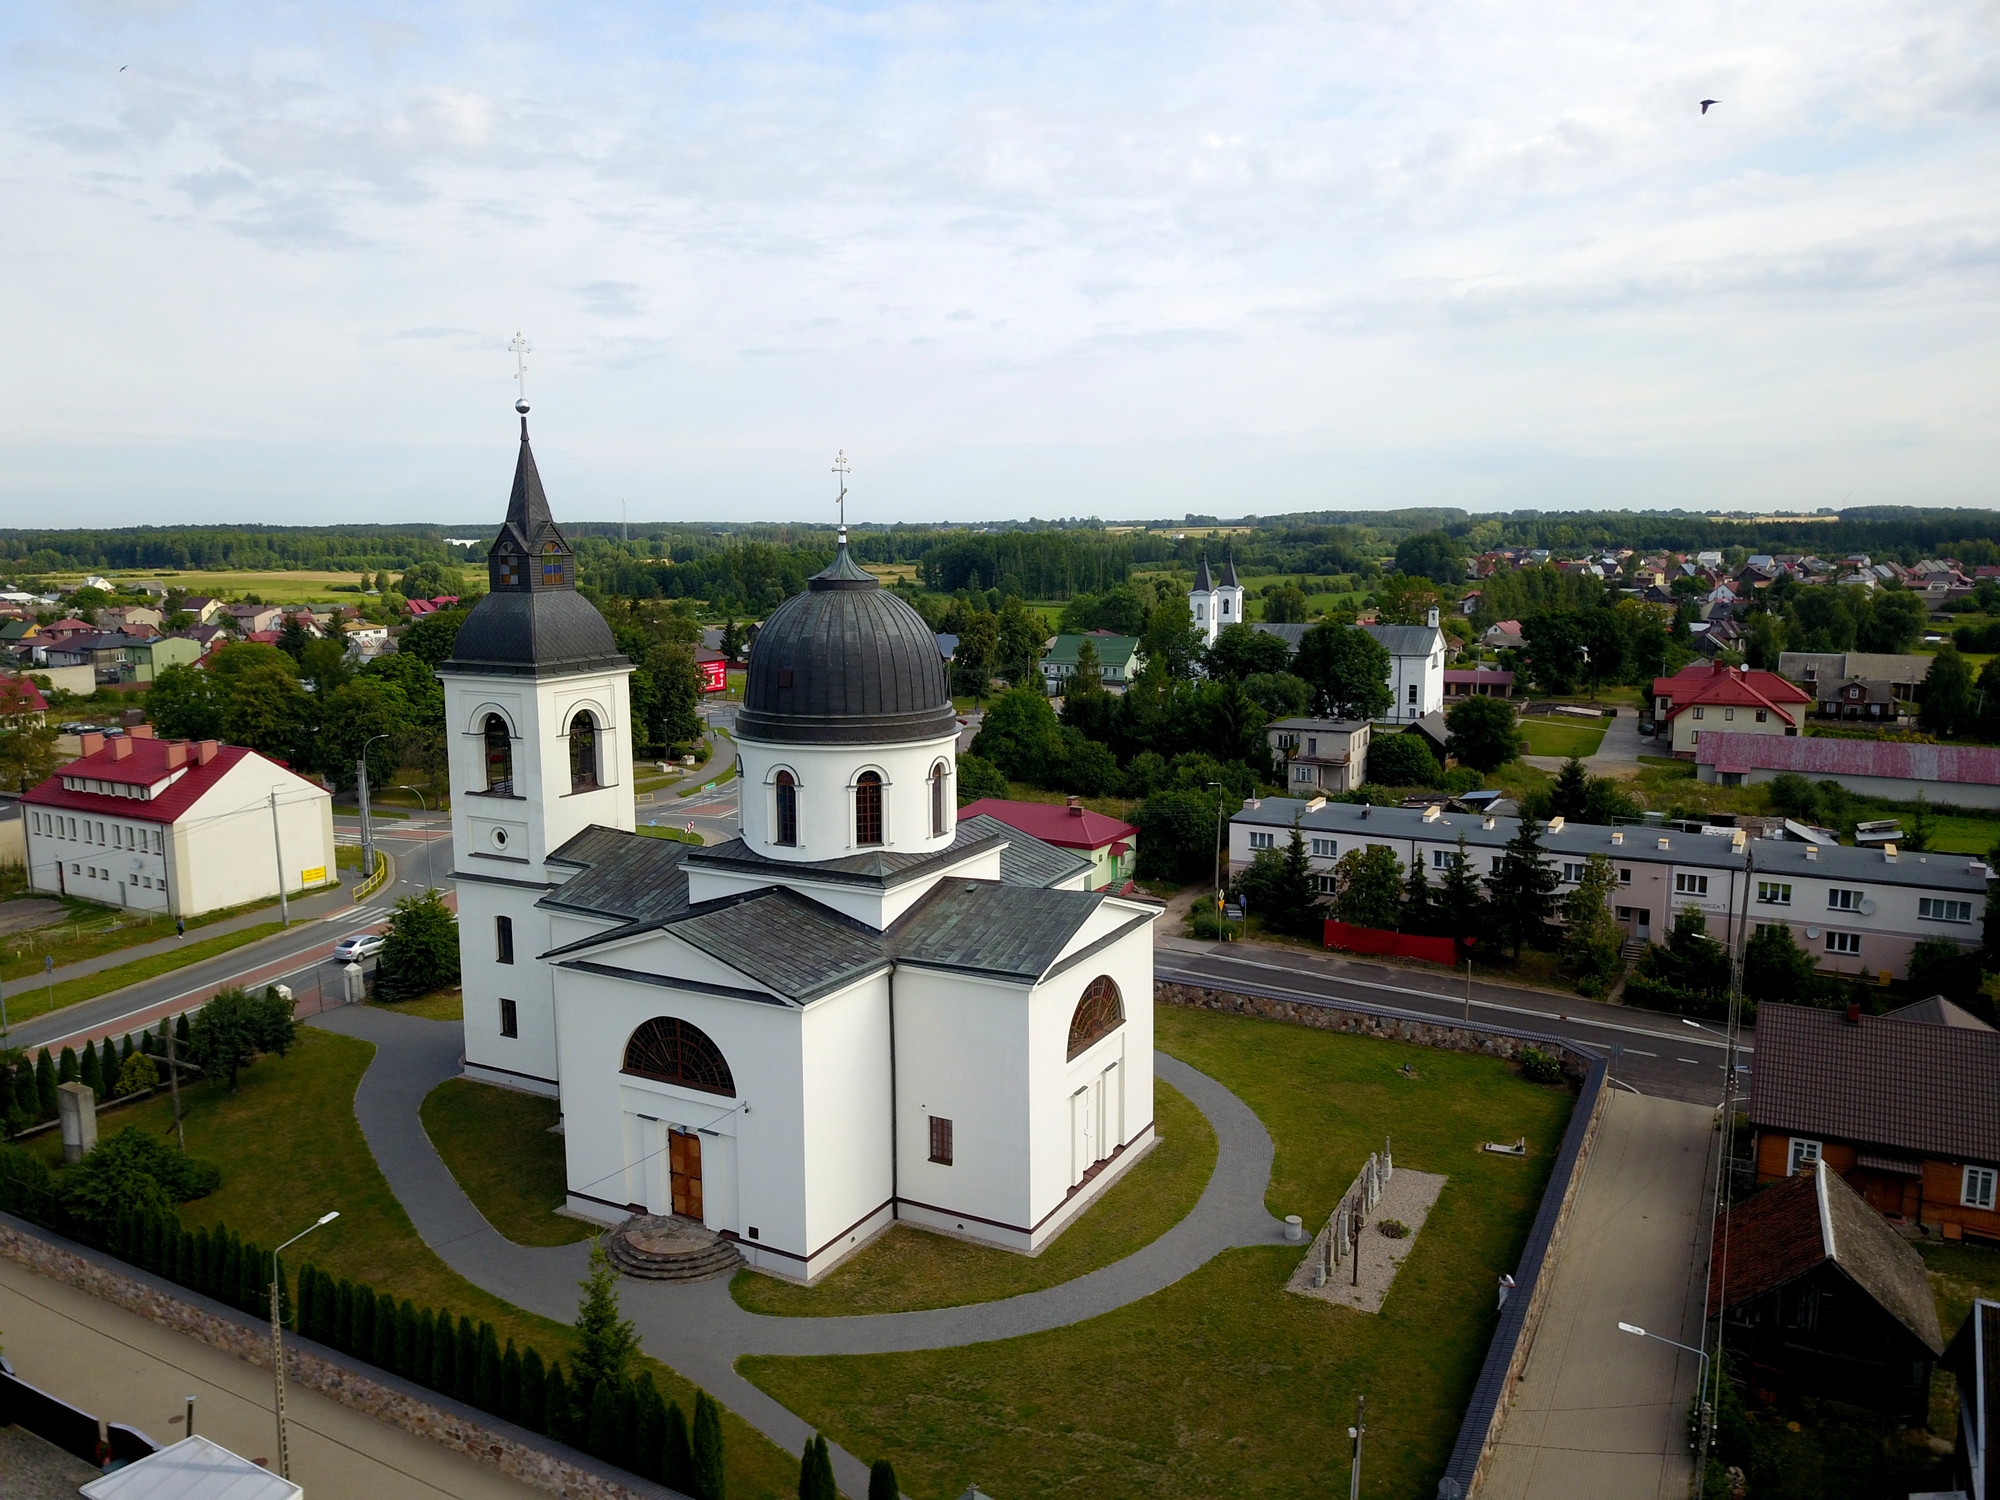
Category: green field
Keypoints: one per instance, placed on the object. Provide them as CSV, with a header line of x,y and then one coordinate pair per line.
x,y
500,1145
1554,736
1223,1385
907,1268
29,1002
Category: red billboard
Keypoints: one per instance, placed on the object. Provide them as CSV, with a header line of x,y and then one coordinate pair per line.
x,y
714,675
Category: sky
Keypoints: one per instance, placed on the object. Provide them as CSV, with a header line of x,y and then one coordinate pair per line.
x,y
263,261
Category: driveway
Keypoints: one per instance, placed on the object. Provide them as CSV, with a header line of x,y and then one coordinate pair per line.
x,y
1618,753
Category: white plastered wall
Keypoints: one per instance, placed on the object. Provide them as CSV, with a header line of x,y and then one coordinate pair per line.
x,y
826,776
222,851
531,1060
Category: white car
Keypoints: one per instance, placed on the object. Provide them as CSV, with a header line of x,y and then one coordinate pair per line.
x,y
356,947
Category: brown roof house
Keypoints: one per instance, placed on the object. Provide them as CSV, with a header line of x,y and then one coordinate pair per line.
x,y
1818,1295
1905,1107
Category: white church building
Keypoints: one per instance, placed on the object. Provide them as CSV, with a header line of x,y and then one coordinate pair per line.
x,y
861,1009
1216,605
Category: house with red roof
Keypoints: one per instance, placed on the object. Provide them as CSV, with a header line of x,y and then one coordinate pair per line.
x,y
1712,695
1110,844
176,826
22,705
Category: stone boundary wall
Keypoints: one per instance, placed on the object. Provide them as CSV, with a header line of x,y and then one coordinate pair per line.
x,y
1521,1317
476,1435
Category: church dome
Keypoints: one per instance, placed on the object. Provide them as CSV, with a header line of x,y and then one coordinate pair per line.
x,y
845,663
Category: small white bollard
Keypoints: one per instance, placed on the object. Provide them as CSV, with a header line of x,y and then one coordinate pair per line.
x,y
283,992
1295,1228
354,983
76,1103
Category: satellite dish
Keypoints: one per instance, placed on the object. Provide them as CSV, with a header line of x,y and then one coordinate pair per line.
x,y
1812,934
1867,906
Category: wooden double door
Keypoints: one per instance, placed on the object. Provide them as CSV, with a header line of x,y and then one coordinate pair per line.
x,y
684,1172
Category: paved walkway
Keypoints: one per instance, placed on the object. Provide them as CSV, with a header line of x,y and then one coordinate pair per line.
x,y
1600,1412
699,1330
125,1368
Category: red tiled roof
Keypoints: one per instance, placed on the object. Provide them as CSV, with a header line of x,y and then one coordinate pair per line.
x,y
1066,828
145,765
1977,765
1714,683
20,696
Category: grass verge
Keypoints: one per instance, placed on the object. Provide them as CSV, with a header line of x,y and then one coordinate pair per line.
x,y
1222,1385
438,1005
26,950
908,1269
1554,737
498,1144
290,1148
30,1003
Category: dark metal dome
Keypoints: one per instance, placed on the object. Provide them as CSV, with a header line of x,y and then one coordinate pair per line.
x,y
845,663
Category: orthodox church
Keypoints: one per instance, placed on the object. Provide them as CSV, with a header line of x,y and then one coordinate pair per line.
x,y
860,1009
1216,605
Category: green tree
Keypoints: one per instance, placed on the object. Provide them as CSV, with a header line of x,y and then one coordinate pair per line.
x,y
732,645
816,1471
184,704
1689,973
1278,888
978,777
134,1171
1170,641
1436,555
605,1342
1279,694
1284,605
1938,966
429,580
676,683
420,948
1420,906
707,1444
266,710
1570,794
1401,760
1945,696
1483,733
1554,649
1368,887
677,1454
1177,835
325,665
1404,600
1018,735
293,638
1461,903
882,1481
356,714
1523,886
1895,619
1348,670
1241,650
1591,935
91,1072
234,1027
973,662
1087,677
1017,646
1776,968
431,639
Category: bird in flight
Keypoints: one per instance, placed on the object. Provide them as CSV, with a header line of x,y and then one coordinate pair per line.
x,y
1706,102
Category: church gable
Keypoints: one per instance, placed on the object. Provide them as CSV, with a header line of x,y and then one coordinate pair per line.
x,y
654,955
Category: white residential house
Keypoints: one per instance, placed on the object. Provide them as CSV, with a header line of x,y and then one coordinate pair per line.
x,y
176,826
1416,667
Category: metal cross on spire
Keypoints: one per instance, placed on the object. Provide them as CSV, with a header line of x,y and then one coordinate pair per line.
x,y
522,349
840,467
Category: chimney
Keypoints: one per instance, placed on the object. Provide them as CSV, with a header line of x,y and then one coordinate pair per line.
x,y
1617,835
140,731
204,751
1854,1013
121,748
1812,851
1076,807
1556,824
91,743
177,754
1889,853
1431,618
1666,843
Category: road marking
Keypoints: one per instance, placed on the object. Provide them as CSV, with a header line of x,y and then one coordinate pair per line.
x,y
1635,1052
1445,999
1695,1060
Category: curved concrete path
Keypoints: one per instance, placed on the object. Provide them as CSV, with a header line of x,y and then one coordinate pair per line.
x,y
698,1329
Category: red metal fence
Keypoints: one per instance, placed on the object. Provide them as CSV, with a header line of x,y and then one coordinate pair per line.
x,y
1437,950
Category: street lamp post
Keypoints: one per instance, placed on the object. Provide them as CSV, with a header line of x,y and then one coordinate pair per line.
x,y
1706,1409
278,1342
1218,847
361,785
1357,1432
430,843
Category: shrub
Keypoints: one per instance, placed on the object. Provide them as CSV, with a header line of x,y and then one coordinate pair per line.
x,y
234,1027
1401,760
1394,1229
134,1170
1208,924
1538,1066
978,777
420,949
137,1076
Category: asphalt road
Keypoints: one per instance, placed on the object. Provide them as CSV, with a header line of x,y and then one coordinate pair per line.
x,y
1655,1054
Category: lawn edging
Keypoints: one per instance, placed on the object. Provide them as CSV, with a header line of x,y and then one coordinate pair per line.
x,y
1520,1318
463,1429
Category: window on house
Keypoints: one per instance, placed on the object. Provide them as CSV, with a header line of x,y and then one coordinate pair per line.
x,y
1260,841
941,1140
1413,692
676,1051
1325,848
788,809
1572,872
1774,893
510,1019
937,800
1939,909
503,940
1312,747
1100,1012
1690,885
1302,774
868,809
510,571
1697,713
1763,715
1441,859
1803,1153
1327,885
1977,1189
555,566
1729,713
1843,942
583,753
499,757
1624,874
1843,900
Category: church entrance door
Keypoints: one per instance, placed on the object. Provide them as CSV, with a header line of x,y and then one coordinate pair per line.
x,y
1083,1132
684,1168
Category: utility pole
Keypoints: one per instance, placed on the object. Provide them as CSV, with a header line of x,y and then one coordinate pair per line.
x,y
174,1082
278,848
1711,1397
1468,991
367,834
1358,1431
278,1345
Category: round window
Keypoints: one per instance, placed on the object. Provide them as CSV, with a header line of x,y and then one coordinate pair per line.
x,y
499,838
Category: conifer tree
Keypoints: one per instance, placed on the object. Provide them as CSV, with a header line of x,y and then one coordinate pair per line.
x,y
125,1051
627,1432
382,1348
444,1355
465,1352
649,1436
486,1373
601,1438
107,1066
226,1269
89,1072
1569,798
882,1481
181,1034
534,1404
46,1080
816,1471
406,1338
510,1384
422,1351
1419,904
183,1260
66,1066
707,1444
1523,887
1461,905
677,1454
556,1410
604,1341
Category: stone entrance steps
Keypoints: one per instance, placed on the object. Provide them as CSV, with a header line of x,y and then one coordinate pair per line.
x,y
661,1247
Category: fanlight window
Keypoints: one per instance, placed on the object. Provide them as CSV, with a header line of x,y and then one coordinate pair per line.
x,y
937,800
583,752
499,756
676,1051
555,565
1100,1012
868,809
788,809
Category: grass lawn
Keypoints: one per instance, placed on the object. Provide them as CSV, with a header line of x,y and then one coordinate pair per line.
x,y
1952,834
498,1144
290,1148
438,1005
85,932
907,1269
39,1002
1222,1385
273,588
1554,736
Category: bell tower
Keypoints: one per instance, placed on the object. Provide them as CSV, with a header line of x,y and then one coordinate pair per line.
x,y
538,729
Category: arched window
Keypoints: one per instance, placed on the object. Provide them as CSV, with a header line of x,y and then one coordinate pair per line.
x,y
868,809
499,757
1100,1012
583,752
937,800
677,1051
788,809
555,566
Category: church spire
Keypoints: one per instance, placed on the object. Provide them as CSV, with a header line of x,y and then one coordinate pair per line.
x,y
530,553
1229,571
1202,582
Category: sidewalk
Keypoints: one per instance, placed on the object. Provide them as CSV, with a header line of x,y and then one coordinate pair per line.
x,y
1599,1412
118,1365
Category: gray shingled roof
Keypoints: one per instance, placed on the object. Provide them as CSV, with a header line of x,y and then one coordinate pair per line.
x,y
626,876
1027,860
1290,634
1406,640
784,940
1931,1090
877,867
1938,1011
994,929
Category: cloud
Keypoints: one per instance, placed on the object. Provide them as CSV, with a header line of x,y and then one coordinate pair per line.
x,y
611,299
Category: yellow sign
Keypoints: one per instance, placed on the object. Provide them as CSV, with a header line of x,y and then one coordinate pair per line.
x,y
316,876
